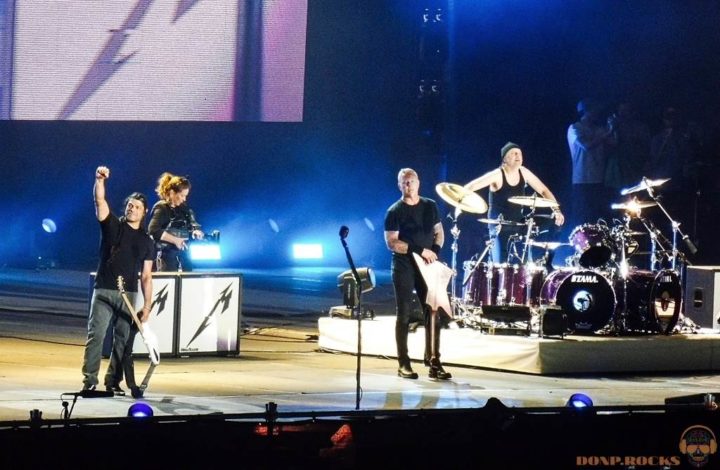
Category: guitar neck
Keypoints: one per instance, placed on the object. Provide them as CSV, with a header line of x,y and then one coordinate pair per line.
x,y
130,307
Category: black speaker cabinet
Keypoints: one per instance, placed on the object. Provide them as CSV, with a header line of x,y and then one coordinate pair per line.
x,y
702,295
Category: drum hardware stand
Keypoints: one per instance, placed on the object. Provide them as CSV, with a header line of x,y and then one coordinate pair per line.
x,y
456,304
620,323
675,228
531,225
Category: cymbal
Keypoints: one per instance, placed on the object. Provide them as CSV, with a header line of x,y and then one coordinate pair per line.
x,y
533,201
501,222
633,206
643,185
547,245
461,197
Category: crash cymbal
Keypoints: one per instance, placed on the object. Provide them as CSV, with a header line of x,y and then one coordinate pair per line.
x,y
547,245
633,206
461,197
634,233
533,201
643,185
501,222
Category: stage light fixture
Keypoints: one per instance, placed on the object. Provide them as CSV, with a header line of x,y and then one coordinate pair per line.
x,y
207,249
579,401
49,225
348,285
140,410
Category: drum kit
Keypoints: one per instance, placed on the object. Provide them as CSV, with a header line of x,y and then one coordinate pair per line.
x,y
596,292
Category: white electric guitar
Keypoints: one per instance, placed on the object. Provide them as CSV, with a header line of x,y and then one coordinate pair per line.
x,y
148,336
437,276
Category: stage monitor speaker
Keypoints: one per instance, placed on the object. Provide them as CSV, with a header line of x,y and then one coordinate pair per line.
x,y
553,321
506,313
702,296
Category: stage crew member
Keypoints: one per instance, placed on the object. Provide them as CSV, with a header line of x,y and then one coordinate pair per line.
x,y
125,250
172,223
412,225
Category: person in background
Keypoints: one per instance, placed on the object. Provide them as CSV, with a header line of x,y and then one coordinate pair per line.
x,y
504,182
172,224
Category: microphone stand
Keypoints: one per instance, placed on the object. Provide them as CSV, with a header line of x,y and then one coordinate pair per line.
x,y
358,312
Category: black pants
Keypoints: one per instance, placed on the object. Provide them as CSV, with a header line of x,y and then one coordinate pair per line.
x,y
125,365
172,259
407,282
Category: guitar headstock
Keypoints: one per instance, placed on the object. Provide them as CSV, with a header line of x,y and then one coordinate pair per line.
x,y
121,284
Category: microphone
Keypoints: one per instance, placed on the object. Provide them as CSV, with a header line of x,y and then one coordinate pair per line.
x,y
344,231
92,394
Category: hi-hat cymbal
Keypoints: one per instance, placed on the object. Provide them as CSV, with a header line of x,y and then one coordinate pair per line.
x,y
547,245
533,201
501,222
643,185
633,206
461,197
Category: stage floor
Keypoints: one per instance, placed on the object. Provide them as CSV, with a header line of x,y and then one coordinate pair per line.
x,y
531,354
283,359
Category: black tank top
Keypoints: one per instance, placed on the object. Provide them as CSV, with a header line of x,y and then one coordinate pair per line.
x,y
498,200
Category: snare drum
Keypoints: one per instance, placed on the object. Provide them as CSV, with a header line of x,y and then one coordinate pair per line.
x,y
653,300
586,297
593,244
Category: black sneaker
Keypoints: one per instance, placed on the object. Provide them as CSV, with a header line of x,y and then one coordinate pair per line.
x,y
136,392
88,387
117,391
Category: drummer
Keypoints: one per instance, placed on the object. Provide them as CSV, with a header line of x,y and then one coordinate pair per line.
x,y
507,181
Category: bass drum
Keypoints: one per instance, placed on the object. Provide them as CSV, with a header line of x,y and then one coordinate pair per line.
x,y
586,297
653,300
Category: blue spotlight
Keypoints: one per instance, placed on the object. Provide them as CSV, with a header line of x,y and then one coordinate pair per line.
x,y
307,251
579,401
49,225
140,410
205,251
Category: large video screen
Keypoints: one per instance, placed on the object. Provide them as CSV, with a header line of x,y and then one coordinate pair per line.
x,y
152,60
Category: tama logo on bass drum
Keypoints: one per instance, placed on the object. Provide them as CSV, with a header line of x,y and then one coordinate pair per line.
x,y
587,278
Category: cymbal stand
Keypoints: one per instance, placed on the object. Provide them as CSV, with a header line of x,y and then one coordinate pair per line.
x,y
675,228
455,232
655,241
531,226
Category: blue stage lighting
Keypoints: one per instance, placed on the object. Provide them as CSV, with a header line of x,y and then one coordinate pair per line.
x,y
49,225
579,401
307,251
204,251
140,410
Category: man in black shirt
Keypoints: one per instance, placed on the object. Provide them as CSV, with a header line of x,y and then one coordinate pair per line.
x,y
125,250
412,225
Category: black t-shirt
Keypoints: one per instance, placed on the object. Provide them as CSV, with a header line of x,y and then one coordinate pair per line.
x,y
416,224
123,250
